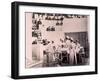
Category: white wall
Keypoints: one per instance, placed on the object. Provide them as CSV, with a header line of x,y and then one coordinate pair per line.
x,y
5,40
75,25
28,37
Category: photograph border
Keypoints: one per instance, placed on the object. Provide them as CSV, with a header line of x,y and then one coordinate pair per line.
x,y
15,39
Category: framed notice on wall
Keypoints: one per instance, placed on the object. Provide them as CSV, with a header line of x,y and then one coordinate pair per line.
x,y
51,40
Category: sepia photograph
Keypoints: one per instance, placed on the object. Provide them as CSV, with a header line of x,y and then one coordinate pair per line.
x,y
57,40
52,40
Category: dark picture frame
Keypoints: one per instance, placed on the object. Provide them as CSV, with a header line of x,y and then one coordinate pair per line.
x,y
15,39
